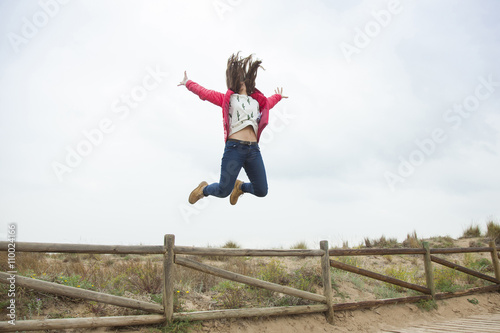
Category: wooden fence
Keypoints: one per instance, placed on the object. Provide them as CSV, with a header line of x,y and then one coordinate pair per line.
x,y
172,255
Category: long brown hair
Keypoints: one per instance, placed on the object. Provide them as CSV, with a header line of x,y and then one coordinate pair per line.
x,y
242,70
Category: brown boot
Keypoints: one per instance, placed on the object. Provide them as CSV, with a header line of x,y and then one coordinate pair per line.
x,y
197,193
236,192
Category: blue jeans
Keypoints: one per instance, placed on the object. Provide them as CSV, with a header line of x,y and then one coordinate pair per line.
x,y
236,156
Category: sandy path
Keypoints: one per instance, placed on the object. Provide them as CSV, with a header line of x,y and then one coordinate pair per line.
x,y
362,321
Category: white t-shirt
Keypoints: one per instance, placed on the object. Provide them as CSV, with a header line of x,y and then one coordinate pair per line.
x,y
243,111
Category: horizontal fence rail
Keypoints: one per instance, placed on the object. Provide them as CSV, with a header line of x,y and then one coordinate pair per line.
x,y
374,251
458,250
254,312
471,291
201,251
204,251
84,248
178,255
373,303
94,322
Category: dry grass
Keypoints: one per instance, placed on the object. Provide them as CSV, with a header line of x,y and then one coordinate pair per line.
x,y
473,231
493,231
140,277
231,245
302,245
412,241
442,242
382,242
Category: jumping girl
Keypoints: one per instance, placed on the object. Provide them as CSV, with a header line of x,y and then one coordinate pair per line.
x,y
245,113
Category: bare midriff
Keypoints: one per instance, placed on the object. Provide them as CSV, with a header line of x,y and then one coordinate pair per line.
x,y
246,134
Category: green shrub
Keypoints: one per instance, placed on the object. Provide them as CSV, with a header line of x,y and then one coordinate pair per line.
x,y
189,279
180,326
446,279
72,257
231,245
473,301
348,260
403,274
482,265
476,243
157,298
299,246
34,306
274,272
145,277
493,231
472,231
230,295
290,301
178,302
306,278
385,291
358,281
427,305
382,242
75,281
412,241
443,242
116,285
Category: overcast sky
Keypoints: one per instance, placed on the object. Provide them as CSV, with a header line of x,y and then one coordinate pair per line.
x,y
391,124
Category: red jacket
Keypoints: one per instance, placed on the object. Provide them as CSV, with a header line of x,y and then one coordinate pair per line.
x,y
222,100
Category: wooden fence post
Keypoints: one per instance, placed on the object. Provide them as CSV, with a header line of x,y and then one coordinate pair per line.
x,y
168,277
429,273
327,282
494,259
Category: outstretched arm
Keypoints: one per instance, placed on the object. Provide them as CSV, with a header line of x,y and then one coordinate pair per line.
x,y
183,82
212,96
278,91
274,99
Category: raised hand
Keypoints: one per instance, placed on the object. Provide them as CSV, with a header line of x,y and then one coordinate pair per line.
x,y
183,82
279,91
